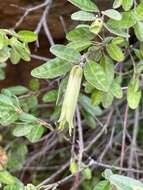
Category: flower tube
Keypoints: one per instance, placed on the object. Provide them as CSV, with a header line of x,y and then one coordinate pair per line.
x,y
71,98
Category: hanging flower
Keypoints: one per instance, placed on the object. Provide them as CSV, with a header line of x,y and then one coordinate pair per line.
x,y
71,98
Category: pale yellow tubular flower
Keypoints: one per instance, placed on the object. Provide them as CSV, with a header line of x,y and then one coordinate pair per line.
x,y
71,98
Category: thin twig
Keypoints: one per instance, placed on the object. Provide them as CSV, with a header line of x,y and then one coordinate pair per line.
x,y
124,136
134,138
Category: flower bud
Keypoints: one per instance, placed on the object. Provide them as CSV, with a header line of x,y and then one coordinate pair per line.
x,y
96,26
71,98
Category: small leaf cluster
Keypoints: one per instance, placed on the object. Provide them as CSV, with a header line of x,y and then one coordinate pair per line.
x,y
14,46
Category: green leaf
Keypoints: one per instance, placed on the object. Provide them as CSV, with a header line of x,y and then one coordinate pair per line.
x,y
139,67
29,103
119,27
127,4
138,12
94,53
87,173
89,120
79,45
128,20
138,29
108,67
83,16
6,177
86,5
96,97
17,186
133,94
8,117
111,13
85,102
118,40
14,56
34,84
115,52
27,36
22,130
116,89
124,182
21,49
65,53
50,96
27,117
36,133
6,100
17,156
117,31
88,88
117,4
80,34
95,75
4,54
107,99
52,69
103,185
18,90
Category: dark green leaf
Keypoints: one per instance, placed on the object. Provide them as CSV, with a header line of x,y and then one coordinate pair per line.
x,y
23,130
103,185
111,13
21,49
50,96
4,54
85,102
86,5
96,97
83,16
79,45
138,12
34,84
36,133
124,182
65,53
27,36
14,56
27,117
127,4
138,29
52,69
95,75
6,177
80,34
133,94
18,90
107,99
115,52
116,89
17,156
108,67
